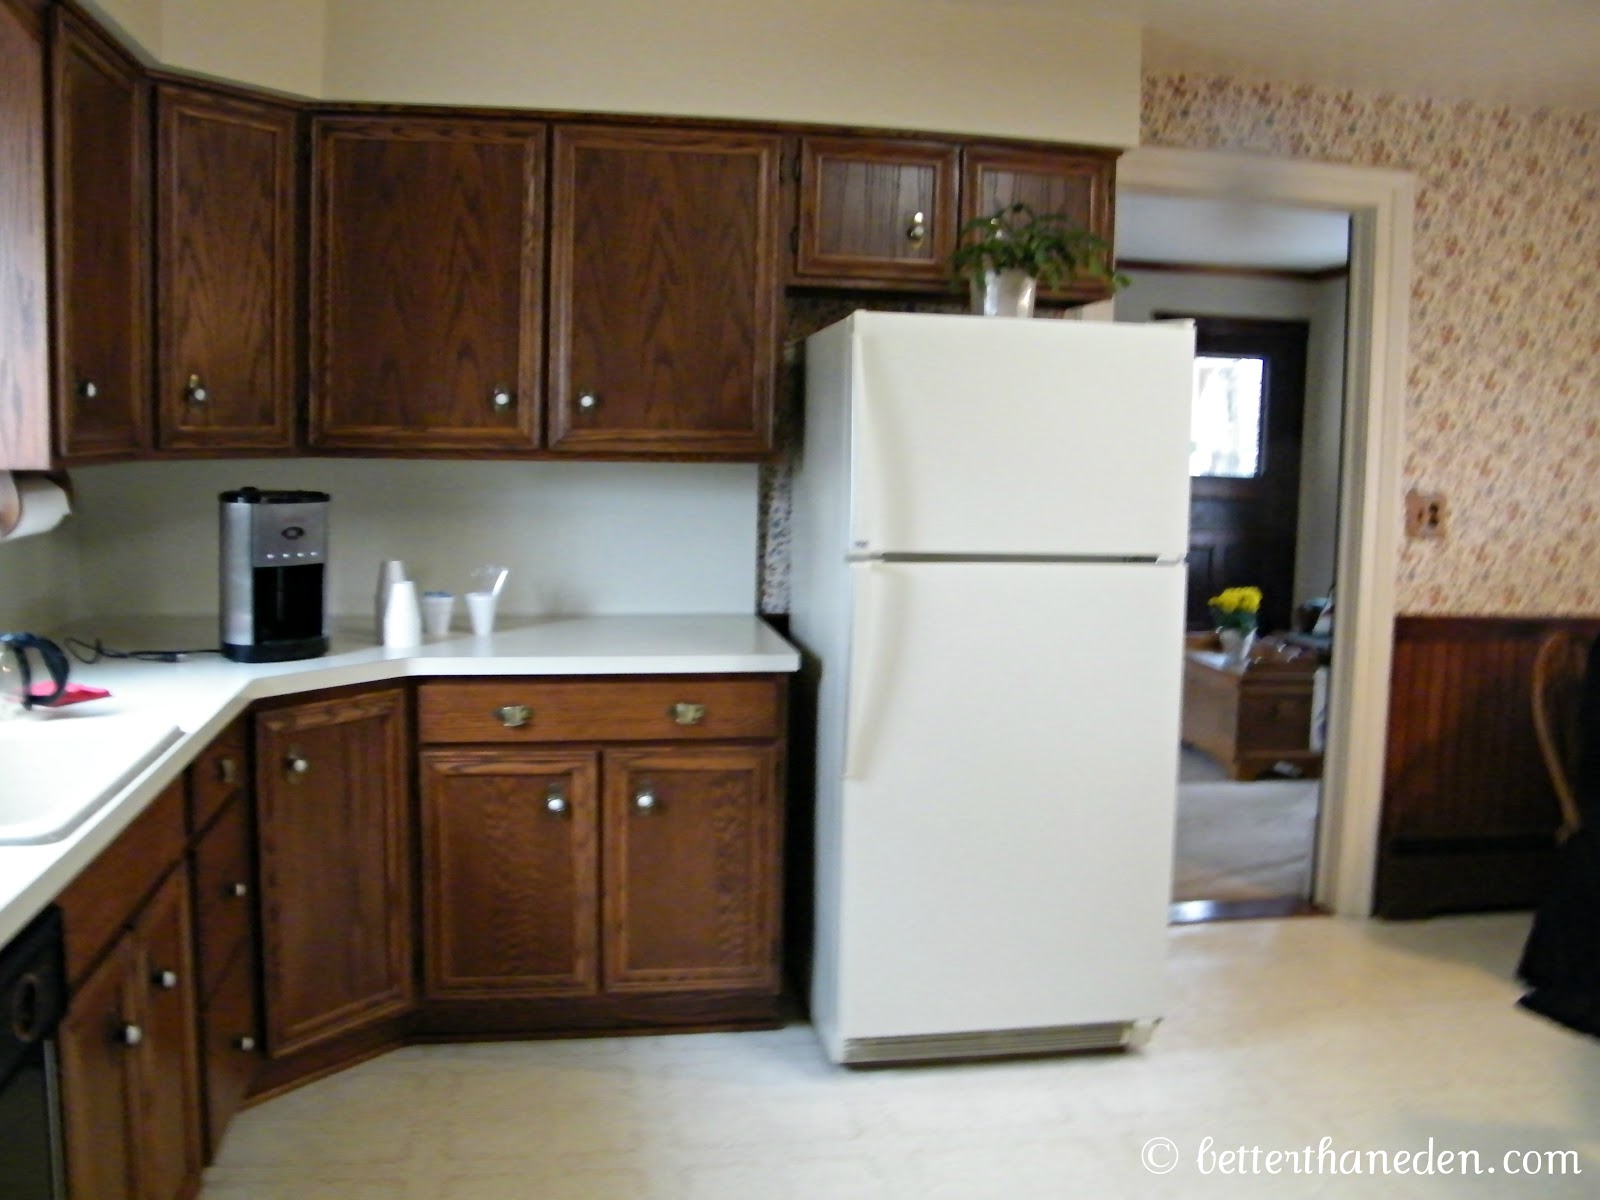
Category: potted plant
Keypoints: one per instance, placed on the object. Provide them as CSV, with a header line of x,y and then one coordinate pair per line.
x,y
1235,611
1006,256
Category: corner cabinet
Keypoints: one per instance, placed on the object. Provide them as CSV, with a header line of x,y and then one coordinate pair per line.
x,y
663,291
333,831
600,854
227,189
101,114
427,280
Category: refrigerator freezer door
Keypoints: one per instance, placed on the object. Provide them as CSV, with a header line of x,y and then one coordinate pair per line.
x,y
1004,827
1040,437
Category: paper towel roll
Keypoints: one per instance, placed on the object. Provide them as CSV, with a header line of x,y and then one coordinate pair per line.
x,y
30,503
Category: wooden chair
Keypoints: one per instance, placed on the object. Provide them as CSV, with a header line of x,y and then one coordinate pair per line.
x,y
1559,666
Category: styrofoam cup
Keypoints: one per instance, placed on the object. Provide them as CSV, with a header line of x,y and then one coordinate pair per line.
x,y
480,608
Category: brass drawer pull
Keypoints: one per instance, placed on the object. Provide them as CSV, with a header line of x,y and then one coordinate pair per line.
x,y
687,714
513,716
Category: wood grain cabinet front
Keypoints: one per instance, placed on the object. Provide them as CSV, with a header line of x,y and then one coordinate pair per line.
x,y
101,112
24,241
1079,182
333,829
130,1087
227,187
427,281
609,883
876,210
663,291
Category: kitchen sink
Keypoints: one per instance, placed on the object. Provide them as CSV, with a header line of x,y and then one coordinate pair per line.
x,y
57,770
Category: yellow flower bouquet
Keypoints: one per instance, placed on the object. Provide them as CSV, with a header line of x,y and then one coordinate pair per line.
x,y
1236,608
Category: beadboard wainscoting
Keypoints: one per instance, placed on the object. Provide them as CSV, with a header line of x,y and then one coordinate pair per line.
x,y
1469,815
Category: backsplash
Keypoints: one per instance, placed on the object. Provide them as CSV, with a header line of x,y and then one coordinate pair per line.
x,y
1503,400
580,537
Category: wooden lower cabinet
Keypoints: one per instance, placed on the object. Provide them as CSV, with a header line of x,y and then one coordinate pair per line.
x,y
130,1094
592,886
333,829
540,881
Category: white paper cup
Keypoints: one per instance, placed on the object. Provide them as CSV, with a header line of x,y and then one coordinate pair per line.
x,y
437,608
480,608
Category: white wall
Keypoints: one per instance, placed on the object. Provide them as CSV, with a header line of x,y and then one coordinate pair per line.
x,y
579,537
38,580
1322,304
961,66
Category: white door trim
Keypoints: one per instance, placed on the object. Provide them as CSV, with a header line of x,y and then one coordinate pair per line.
x,y
1380,203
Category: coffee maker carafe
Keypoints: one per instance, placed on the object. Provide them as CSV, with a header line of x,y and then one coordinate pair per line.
x,y
274,574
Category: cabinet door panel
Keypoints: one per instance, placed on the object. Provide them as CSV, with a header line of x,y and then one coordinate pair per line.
x,y
877,210
1076,182
690,843
225,201
167,1145
663,291
426,283
98,1087
24,265
102,223
510,873
334,849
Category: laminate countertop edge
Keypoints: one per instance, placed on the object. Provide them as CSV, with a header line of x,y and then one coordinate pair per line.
x,y
203,693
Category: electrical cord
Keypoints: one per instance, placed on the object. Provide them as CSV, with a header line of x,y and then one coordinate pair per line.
x,y
93,652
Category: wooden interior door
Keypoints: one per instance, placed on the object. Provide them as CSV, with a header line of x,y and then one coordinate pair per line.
x,y
1242,528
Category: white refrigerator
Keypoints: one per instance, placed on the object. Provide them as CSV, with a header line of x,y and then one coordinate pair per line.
x,y
989,525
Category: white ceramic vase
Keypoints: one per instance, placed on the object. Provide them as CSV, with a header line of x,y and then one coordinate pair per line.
x,y
1004,294
1237,643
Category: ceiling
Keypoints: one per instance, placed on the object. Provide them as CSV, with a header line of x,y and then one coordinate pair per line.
x,y
1528,53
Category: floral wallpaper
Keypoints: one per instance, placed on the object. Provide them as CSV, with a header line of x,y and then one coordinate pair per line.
x,y
1503,393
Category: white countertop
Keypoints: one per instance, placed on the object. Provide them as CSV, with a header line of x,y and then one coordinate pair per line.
x,y
202,694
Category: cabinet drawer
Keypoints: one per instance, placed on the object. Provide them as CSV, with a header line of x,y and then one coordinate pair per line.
x,y
216,774
690,708
224,893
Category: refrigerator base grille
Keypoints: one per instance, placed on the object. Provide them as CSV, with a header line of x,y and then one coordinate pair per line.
x,y
1004,1043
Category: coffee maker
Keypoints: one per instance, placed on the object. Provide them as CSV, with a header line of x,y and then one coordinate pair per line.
x,y
274,574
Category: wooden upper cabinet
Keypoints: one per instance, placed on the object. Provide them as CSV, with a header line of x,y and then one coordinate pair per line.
x,y
876,209
1079,183
24,256
426,280
664,292
102,301
225,212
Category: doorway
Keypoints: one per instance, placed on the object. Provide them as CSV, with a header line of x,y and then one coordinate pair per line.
x,y
1380,204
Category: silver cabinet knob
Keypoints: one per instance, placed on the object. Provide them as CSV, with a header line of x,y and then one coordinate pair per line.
x,y
195,391
513,716
502,397
130,1034
556,803
917,231
165,980
239,889
245,1043
588,401
228,770
645,801
687,714
296,764
88,389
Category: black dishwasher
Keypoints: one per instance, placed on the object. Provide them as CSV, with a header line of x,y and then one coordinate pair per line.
x,y
32,999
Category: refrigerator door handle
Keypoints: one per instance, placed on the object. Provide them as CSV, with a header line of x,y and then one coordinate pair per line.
x,y
870,656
